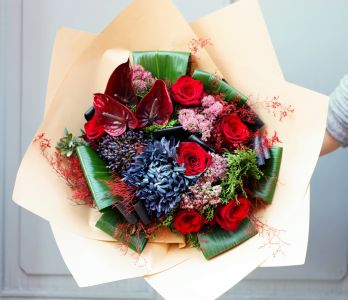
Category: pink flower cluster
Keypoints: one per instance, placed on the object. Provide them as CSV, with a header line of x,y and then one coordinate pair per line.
x,y
204,192
217,170
201,121
142,80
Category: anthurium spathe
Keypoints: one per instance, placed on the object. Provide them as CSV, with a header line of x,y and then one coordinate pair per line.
x,y
113,115
156,107
120,85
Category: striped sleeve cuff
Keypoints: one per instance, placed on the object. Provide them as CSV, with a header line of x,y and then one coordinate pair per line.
x,y
337,121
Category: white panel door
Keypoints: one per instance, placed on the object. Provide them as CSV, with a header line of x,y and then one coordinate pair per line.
x,y
311,40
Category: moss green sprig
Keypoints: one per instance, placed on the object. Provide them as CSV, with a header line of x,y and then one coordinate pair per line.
x,y
167,222
68,143
192,240
132,108
242,164
150,129
209,212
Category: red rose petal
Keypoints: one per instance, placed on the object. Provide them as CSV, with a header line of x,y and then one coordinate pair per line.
x,y
187,221
229,216
234,130
187,91
194,158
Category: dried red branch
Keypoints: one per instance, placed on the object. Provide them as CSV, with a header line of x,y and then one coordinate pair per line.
x,y
67,168
278,109
272,236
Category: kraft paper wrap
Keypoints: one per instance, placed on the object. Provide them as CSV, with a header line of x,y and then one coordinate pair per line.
x,y
83,268
74,77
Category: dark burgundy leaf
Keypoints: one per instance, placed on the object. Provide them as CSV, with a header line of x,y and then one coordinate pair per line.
x,y
89,113
120,85
156,107
196,139
113,115
177,132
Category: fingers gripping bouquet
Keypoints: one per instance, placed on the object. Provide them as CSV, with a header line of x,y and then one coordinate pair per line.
x,y
165,146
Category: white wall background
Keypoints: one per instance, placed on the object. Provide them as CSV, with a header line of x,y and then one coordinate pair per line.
x,y
311,40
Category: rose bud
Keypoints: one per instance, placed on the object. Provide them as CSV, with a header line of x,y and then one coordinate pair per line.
x,y
234,130
187,221
187,91
194,158
229,216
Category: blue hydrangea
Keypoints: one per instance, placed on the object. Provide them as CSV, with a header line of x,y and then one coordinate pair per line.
x,y
159,179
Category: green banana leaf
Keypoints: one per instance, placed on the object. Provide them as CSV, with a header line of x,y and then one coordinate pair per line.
x,y
165,65
96,174
219,240
108,223
217,86
266,187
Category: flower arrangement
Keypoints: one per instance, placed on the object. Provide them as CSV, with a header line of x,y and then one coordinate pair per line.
x,y
90,170
167,147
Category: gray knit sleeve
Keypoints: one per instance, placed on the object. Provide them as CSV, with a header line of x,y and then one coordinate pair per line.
x,y
337,120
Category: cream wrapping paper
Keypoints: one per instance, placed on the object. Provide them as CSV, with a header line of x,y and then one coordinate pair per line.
x,y
89,74
246,48
69,244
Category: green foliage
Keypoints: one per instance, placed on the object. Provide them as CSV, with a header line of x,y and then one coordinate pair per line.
x,y
218,240
150,129
192,240
266,186
209,212
68,143
114,224
168,221
97,176
133,108
242,165
165,65
216,86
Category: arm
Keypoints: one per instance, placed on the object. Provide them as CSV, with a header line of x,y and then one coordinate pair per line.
x,y
337,121
329,144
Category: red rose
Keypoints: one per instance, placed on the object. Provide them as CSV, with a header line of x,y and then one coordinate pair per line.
x,y
229,216
194,158
93,129
187,91
187,221
234,130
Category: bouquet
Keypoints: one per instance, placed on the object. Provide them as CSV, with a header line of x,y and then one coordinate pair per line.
x,y
166,148
81,66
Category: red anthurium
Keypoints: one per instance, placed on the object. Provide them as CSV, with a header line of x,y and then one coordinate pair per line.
x,y
113,115
120,85
156,107
93,129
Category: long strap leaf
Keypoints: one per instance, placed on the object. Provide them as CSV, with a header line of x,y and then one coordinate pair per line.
x,y
266,186
96,174
114,224
165,65
217,86
219,240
